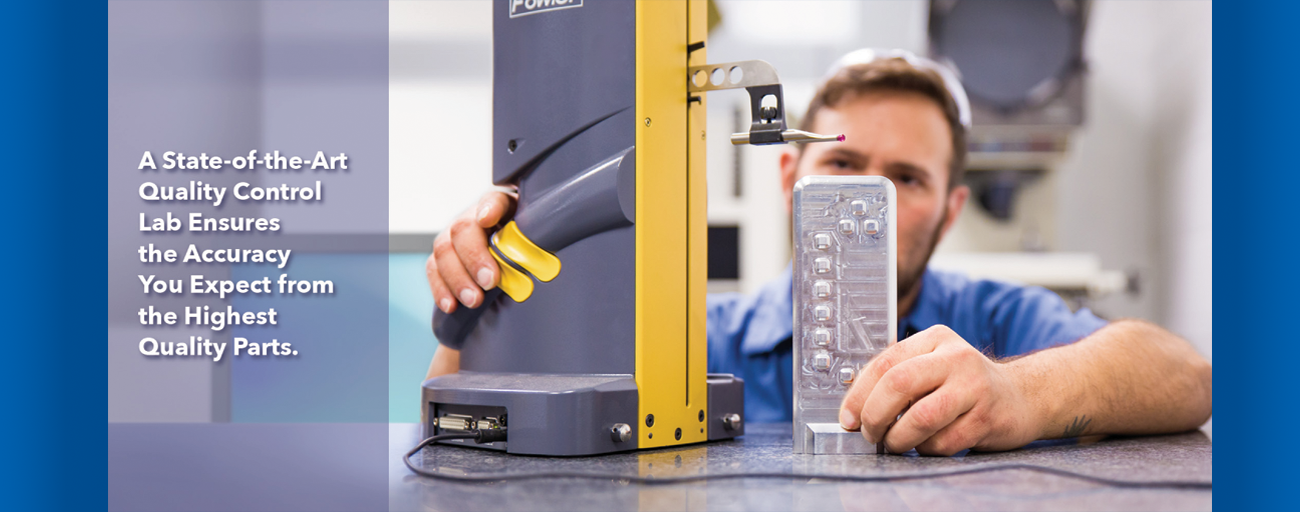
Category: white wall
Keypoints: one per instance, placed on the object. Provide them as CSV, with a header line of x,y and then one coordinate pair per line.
x,y
440,110
1182,155
1136,186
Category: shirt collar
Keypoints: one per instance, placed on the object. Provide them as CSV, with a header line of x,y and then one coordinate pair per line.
x,y
773,320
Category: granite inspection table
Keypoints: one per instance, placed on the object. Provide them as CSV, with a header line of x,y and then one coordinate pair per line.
x,y
767,448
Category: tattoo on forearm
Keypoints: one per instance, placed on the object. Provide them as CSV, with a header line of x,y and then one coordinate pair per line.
x,y
1076,429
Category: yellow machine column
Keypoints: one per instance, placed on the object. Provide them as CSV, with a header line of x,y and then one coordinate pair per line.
x,y
671,236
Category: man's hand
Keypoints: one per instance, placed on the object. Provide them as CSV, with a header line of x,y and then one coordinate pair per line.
x,y
1128,378
461,251
951,398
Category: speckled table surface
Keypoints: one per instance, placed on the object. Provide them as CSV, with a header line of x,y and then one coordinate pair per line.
x,y
767,448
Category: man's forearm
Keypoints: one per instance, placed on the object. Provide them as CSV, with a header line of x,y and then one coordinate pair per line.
x,y
444,361
1130,377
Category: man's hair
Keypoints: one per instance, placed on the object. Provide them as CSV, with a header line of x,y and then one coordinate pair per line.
x,y
895,75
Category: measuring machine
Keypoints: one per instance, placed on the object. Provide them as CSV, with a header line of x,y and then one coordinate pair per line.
x,y
594,341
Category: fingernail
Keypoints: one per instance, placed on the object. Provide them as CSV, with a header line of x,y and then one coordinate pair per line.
x,y
848,420
485,278
467,296
445,305
483,212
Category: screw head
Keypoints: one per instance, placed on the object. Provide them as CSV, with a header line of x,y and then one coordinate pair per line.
x,y
678,434
731,421
649,420
512,145
647,121
621,433
701,414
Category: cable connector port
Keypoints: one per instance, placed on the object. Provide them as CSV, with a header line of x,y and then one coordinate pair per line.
x,y
458,422
482,431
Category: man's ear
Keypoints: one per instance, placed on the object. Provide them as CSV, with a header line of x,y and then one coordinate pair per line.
x,y
956,201
789,173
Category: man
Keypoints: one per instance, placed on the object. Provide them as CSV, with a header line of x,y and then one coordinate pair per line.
x,y
982,365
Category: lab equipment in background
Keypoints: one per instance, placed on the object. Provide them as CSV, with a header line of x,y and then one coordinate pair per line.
x,y
1027,95
1075,276
1031,74
845,299
1026,86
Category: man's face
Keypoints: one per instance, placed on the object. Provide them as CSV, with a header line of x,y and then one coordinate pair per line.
x,y
904,137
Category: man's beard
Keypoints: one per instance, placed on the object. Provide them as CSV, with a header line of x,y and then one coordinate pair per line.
x,y
910,272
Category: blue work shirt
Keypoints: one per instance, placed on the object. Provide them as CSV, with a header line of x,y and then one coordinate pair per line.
x,y
751,335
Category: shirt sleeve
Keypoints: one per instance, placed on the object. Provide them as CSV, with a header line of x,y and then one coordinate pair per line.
x,y
724,332
1023,319
766,370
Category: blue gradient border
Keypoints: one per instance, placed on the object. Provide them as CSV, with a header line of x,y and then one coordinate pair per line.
x,y
54,368
55,136
1256,268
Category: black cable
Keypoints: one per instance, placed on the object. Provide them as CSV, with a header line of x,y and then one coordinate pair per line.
x,y
500,435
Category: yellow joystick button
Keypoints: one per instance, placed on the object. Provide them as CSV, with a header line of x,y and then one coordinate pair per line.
x,y
514,245
517,285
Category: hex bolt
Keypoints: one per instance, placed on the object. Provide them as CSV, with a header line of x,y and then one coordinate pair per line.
x,y
621,432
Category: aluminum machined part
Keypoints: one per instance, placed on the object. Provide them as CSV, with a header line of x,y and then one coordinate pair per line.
x,y
845,299
831,438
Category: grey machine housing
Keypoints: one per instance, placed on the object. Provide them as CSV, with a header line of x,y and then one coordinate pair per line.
x,y
558,369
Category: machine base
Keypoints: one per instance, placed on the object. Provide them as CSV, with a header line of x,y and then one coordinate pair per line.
x,y
565,415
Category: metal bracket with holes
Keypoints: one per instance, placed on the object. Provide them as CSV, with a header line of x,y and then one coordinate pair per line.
x,y
759,78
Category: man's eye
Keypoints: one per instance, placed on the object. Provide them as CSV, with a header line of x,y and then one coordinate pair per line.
x,y
841,164
908,179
